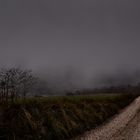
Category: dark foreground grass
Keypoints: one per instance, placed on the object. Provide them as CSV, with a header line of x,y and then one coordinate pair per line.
x,y
57,118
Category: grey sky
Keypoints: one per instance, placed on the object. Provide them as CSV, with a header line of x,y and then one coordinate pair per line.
x,y
90,36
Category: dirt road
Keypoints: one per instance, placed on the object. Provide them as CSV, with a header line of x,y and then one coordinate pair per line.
x,y
124,126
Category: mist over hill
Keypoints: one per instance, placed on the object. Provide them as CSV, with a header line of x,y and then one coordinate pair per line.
x,y
73,44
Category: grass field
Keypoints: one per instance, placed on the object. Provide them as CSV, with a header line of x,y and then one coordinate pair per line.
x,y
58,117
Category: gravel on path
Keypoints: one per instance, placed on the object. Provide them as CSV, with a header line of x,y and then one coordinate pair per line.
x,y
124,126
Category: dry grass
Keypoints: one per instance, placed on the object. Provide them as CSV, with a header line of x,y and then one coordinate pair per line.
x,y
58,118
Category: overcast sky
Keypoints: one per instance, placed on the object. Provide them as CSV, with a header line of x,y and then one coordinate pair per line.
x,y
89,36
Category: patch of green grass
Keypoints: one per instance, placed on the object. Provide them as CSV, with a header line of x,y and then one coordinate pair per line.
x,y
59,117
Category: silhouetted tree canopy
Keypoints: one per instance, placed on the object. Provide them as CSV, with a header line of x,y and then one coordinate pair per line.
x,y
15,83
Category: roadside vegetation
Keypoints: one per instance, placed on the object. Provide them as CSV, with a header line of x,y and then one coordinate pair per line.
x,y
59,117
24,116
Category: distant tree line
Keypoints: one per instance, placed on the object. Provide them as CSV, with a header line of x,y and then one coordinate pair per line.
x,y
118,89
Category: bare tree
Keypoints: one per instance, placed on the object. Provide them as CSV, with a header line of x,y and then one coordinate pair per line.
x,y
15,83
